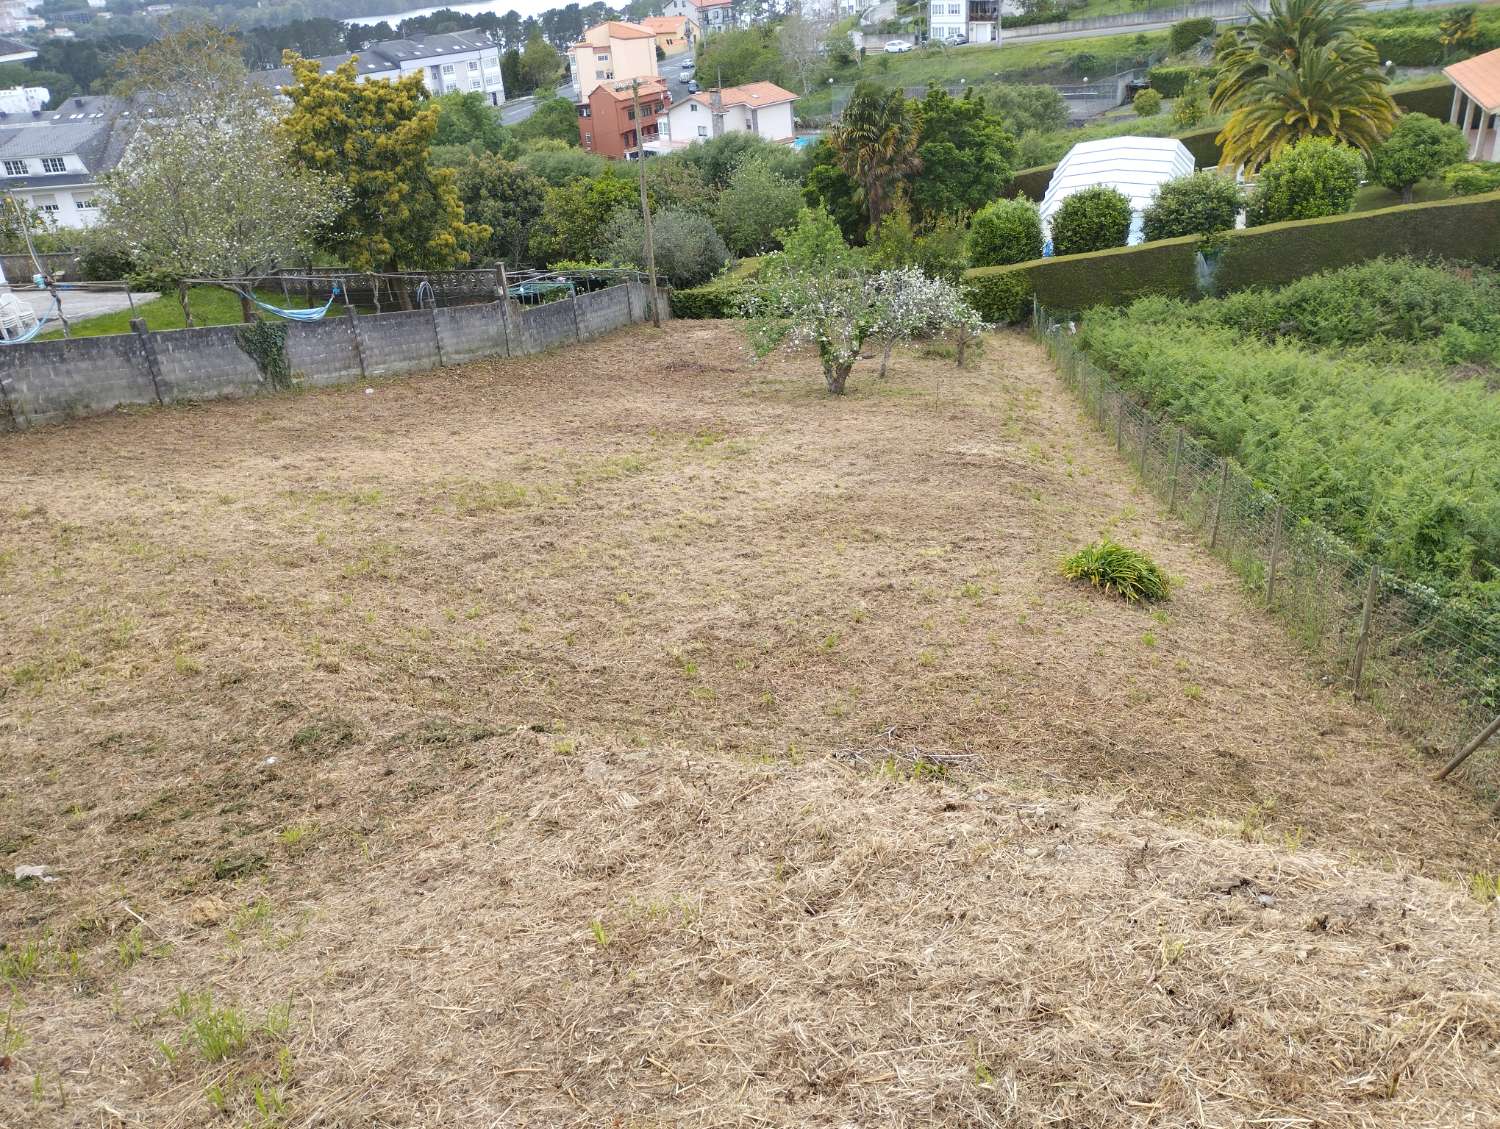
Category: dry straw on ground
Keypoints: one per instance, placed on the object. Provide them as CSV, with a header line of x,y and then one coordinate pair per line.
x,y
631,736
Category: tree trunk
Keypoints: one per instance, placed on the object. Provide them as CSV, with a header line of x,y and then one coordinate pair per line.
x,y
886,356
837,375
247,310
1406,193
963,347
187,314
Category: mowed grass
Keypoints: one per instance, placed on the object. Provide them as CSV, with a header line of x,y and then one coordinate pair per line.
x,y
635,735
211,305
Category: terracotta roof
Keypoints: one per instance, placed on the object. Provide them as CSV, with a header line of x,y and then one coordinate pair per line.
x,y
618,29
711,3
1480,79
752,94
664,23
621,92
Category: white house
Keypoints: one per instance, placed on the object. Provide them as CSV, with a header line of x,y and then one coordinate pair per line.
x,y
976,20
51,160
759,107
710,15
464,61
1135,166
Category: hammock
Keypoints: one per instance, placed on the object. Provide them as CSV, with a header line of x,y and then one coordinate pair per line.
x,y
315,314
30,334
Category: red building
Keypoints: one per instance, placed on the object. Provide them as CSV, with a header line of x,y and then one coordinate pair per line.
x,y
606,121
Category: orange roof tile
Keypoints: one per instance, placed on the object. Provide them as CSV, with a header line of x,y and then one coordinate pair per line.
x,y
1479,78
618,29
665,23
621,92
751,94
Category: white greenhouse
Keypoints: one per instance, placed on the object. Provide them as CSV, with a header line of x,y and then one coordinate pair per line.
x,y
1136,166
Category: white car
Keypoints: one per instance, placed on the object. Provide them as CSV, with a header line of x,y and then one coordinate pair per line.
x,y
687,70
897,47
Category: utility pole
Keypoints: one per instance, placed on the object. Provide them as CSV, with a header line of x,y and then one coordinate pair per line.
x,y
640,159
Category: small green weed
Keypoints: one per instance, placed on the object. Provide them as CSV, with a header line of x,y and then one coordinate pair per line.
x,y
1484,888
20,964
218,1033
1119,571
131,947
601,935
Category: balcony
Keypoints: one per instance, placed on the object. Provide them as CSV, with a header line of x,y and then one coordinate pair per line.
x,y
984,11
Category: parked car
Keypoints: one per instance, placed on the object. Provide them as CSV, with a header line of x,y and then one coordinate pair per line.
x,y
688,68
897,47
692,87
958,39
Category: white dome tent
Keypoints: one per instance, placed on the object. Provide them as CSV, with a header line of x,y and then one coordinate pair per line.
x,y
1136,166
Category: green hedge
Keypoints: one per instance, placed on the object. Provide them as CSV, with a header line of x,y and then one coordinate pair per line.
x,y
1074,282
1434,98
719,297
1419,46
1172,81
1465,229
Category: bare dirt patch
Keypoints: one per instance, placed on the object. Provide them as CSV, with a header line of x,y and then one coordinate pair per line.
x,y
632,735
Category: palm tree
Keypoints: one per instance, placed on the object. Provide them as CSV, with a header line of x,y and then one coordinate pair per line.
x,y
1459,28
1279,36
876,146
1324,93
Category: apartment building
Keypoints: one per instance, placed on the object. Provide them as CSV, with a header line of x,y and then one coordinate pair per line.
x,y
607,122
612,52
674,34
52,160
761,108
976,20
454,62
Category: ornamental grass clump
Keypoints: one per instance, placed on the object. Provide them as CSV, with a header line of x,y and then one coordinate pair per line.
x,y
1119,571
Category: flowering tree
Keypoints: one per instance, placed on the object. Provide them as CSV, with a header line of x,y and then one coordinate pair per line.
x,y
819,293
207,186
916,306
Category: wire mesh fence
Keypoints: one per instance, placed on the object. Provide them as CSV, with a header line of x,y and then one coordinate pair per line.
x,y
1431,664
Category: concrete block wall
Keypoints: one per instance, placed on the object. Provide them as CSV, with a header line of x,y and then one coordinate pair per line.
x,y
323,352
202,364
467,333
400,341
48,381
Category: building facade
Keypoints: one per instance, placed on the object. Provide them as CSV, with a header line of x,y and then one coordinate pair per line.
x,y
710,15
674,34
52,160
762,108
466,62
976,20
1476,103
612,52
607,122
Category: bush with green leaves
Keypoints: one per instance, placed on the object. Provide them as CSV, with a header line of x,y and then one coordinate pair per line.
x,y
755,205
688,249
1186,34
1146,103
1091,220
1472,178
1191,106
1119,571
1006,231
1198,204
1171,81
1419,147
1312,178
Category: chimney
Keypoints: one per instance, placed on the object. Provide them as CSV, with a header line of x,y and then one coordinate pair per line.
x,y
78,102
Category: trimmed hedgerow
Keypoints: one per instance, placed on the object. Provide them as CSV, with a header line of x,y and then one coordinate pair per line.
x,y
720,297
1002,295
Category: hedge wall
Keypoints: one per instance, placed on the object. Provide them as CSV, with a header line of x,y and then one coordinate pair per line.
x,y
1434,98
1074,282
1466,229
719,297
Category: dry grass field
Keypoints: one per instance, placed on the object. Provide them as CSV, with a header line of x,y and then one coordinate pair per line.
x,y
632,736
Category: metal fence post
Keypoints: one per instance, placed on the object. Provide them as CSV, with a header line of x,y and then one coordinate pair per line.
x,y
1145,442
1213,538
1176,464
1120,422
1275,555
1362,645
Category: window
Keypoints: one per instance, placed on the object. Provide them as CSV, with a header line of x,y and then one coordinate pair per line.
x,y
692,107
584,111
447,68
474,84
46,204
588,138
600,74
16,168
703,131
84,203
603,57
630,114
473,65
54,164
953,9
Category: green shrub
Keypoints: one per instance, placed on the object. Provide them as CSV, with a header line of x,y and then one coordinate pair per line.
x,y
1119,571
1091,220
1399,460
1006,231
688,249
720,297
1189,33
1419,147
1169,82
1199,204
1472,178
1191,106
1315,177
1146,103
1002,295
